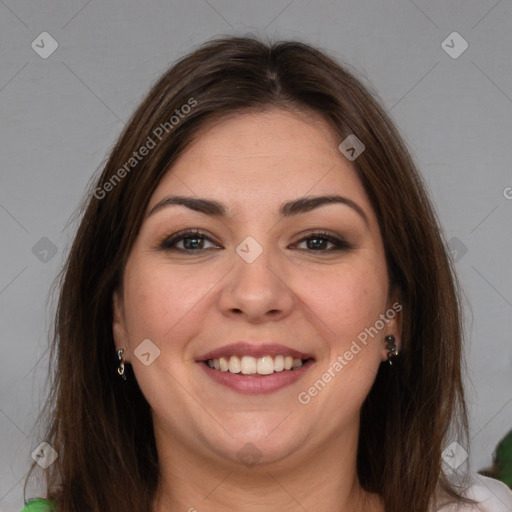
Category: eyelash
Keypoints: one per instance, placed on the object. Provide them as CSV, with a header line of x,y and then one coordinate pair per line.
x,y
168,242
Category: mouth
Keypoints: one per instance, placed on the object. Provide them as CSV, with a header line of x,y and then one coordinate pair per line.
x,y
248,365
252,369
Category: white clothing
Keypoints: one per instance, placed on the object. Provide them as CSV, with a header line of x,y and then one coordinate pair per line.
x,y
492,495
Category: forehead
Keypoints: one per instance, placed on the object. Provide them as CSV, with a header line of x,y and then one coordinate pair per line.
x,y
257,157
273,131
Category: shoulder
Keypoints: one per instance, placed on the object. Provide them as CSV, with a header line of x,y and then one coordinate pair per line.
x,y
38,505
492,496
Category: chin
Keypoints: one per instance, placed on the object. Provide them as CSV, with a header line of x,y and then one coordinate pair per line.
x,y
259,443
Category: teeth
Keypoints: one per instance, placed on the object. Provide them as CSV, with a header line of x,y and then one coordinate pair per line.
x,y
278,363
248,365
297,363
265,365
234,364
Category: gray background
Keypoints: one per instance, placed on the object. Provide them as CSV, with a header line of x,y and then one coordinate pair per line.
x,y
61,115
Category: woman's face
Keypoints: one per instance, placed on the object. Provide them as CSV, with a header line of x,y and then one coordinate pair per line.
x,y
262,277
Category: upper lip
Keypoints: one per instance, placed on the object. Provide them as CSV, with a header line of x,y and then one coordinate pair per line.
x,y
243,348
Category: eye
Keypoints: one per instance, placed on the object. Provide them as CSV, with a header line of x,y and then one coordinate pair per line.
x,y
318,242
193,241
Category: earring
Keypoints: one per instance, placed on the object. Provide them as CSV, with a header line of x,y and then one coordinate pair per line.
x,y
391,347
120,370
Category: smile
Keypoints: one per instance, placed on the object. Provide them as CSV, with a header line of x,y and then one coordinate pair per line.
x,y
252,382
248,365
255,368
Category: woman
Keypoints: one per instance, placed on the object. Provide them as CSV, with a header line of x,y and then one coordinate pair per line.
x,y
258,311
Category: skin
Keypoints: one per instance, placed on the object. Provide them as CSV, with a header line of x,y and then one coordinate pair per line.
x,y
317,302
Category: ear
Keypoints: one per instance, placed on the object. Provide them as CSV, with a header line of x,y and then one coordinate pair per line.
x,y
118,322
394,323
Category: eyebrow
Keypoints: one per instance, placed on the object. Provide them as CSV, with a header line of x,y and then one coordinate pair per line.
x,y
288,209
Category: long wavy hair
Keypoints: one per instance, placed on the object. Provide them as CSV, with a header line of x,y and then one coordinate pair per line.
x,y
101,426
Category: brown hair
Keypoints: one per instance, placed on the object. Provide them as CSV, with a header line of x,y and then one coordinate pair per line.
x,y
101,426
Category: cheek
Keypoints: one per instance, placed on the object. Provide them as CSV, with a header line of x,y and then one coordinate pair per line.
x,y
348,299
346,303
160,300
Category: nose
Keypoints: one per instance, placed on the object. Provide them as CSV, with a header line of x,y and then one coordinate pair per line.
x,y
257,291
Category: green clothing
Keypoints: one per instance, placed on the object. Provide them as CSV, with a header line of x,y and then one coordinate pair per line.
x,y
38,505
503,460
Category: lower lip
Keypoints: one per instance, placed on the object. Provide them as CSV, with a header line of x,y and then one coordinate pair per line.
x,y
257,384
